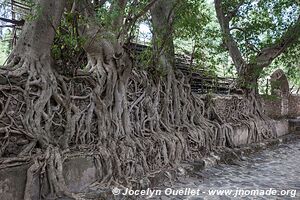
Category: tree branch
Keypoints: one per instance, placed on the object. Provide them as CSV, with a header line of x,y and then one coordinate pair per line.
x,y
13,21
119,6
145,9
233,13
267,55
131,20
99,3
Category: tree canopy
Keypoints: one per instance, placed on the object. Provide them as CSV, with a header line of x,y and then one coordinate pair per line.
x,y
253,25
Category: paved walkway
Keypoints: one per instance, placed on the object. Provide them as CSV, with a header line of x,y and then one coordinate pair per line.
x,y
275,170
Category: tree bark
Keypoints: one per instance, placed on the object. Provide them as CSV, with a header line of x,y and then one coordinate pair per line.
x,y
37,87
38,34
162,15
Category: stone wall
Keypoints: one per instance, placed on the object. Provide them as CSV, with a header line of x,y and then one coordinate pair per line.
x,y
273,106
294,106
241,133
12,182
80,171
294,125
230,107
281,104
280,87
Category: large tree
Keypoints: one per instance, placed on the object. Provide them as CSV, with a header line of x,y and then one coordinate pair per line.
x,y
107,104
252,38
34,83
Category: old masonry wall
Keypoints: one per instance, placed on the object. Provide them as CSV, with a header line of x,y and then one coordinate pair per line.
x,y
80,170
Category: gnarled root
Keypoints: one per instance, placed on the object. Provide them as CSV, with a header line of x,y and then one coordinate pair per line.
x,y
135,124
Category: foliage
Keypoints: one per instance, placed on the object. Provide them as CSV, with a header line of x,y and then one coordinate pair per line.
x,y
197,33
265,34
67,47
289,63
4,48
261,23
255,26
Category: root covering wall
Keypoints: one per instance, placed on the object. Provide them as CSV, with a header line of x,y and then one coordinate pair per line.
x,y
81,168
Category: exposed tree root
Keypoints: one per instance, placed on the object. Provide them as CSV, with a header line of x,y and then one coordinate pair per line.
x,y
27,117
242,111
135,123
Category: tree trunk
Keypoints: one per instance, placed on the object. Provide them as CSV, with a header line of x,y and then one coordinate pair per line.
x,y
38,33
162,21
33,81
248,79
162,15
250,72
